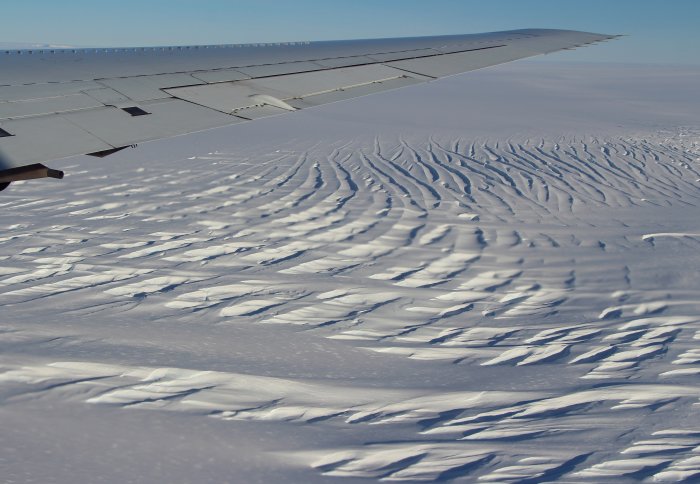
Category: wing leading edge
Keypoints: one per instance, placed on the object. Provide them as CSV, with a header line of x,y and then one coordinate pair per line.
x,y
63,102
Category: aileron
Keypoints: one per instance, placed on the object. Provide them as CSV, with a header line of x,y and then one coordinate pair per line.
x,y
450,64
22,109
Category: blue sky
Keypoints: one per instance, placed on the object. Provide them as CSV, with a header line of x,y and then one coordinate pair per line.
x,y
660,31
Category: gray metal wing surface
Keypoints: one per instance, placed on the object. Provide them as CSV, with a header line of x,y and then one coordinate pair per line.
x,y
56,103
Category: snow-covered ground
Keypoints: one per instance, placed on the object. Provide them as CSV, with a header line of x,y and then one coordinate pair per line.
x,y
28,45
492,278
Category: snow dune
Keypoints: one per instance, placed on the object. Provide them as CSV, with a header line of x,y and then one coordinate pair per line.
x,y
469,304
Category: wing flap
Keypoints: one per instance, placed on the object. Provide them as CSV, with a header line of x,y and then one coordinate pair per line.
x,y
148,88
166,118
232,97
40,91
220,75
391,56
260,111
312,100
109,97
279,69
335,62
225,97
44,138
300,85
71,102
450,64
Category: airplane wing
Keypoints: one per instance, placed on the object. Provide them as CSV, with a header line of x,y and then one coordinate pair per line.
x,y
56,103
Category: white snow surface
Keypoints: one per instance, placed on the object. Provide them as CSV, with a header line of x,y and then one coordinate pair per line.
x,y
492,278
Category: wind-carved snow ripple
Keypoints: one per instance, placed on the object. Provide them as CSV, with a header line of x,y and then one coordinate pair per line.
x,y
506,257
